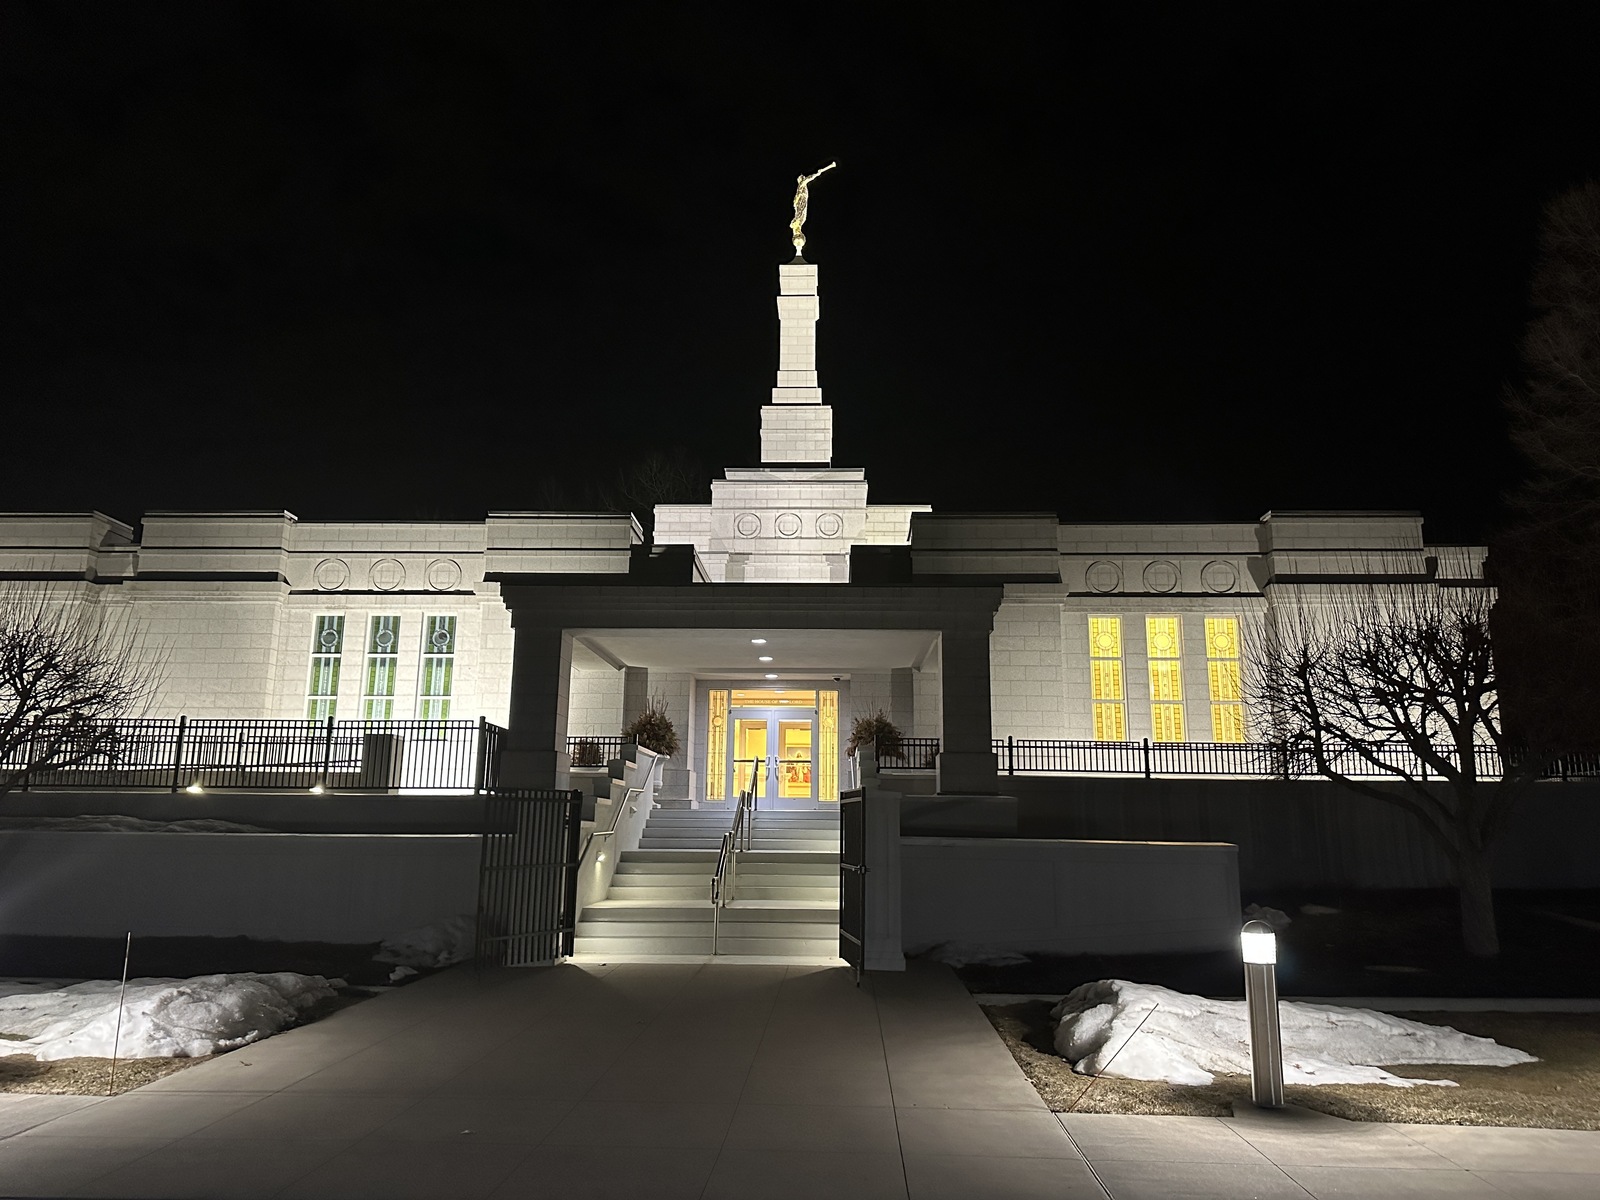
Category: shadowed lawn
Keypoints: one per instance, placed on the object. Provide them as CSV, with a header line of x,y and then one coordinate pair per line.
x,y
1375,943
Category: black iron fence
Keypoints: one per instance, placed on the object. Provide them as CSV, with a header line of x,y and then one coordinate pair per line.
x,y
528,877
1056,756
593,750
1060,756
195,753
915,754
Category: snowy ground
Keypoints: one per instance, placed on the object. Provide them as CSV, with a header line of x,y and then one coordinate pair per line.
x,y
160,1018
1187,1039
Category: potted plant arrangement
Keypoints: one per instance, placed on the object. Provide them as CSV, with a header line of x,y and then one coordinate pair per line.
x,y
653,729
586,753
878,731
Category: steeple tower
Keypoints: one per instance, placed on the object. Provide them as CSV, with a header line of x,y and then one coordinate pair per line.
x,y
794,518
797,427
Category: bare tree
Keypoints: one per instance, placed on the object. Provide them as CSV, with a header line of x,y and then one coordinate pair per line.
x,y
68,671
1398,684
658,476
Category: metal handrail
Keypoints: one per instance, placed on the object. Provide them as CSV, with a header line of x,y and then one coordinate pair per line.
x,y
724,878
628,798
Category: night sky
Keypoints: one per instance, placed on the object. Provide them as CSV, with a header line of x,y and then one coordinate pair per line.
x,y
385,260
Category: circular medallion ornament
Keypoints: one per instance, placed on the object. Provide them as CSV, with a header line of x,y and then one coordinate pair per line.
x,y
1219,576
1162,643
747,524
328,639
384,640
1161,577
443,574
1103,577
331,574
387,574
1106,643
830,525
787,524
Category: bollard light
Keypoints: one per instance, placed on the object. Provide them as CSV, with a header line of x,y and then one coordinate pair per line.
x,y
1258,944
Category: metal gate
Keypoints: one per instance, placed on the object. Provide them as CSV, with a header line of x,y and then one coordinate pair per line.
x,y
853,878
528,877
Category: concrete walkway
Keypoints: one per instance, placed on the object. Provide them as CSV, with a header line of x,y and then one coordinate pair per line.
x,y
663,1081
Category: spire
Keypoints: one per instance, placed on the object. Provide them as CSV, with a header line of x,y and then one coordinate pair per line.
x,y
797,427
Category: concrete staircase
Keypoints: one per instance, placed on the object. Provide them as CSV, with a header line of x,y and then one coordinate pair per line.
x,y
786,899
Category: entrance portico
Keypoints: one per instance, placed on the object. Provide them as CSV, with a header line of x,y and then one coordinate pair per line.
x,y
824,632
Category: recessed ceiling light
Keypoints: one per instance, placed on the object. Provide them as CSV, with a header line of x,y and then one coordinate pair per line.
x,y
758,641
769,676
764,658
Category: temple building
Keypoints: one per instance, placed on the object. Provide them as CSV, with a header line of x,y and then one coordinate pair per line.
x,y
764,621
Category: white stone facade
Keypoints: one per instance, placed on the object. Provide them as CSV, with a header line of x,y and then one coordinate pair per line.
x,y
232,600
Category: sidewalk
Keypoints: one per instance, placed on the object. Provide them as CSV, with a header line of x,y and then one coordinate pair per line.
x,y
692,1081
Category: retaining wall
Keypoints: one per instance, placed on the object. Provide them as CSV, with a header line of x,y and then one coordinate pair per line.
x,y
347,888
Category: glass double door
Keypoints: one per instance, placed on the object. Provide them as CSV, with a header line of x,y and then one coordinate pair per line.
x,y
773,751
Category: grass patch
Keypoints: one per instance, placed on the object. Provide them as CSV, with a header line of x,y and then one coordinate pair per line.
x,y
1560,1091
84,1076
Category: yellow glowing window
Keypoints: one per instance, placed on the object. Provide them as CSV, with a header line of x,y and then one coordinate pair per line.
x,y
1222,676
1165,652
827,745
1105,679
1166,722
1227,722
717,745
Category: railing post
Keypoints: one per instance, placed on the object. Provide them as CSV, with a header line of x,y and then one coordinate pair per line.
x,y
1147,758
482,765
27,754
1011,755
327,755
177,752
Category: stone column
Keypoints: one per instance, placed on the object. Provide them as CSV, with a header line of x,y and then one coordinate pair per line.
x,y
535,751
967,762
902,699
635,692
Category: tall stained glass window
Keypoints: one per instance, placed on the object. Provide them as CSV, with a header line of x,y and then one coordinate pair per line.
x,y
827,745
1105,679
438,668
717,744
1164,648
327,647
1222,674
383,654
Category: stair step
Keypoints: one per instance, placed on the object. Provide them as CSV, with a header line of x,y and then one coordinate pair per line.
x,y
743,890
752,931
663,843
775,910
618,947
749,866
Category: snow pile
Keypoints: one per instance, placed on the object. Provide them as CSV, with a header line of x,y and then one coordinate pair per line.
x,y
181,1018
1188,1038
1275,917
432,945
965,954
